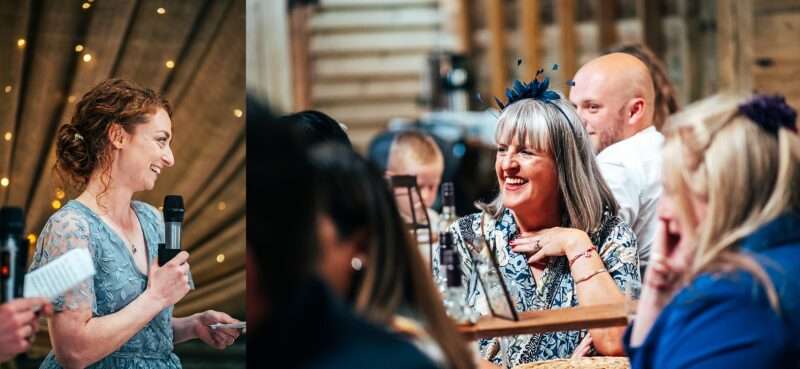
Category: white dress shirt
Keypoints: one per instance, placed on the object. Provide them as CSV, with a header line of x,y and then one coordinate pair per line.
x,y
632,169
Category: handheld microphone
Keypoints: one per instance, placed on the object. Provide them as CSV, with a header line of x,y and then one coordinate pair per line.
x,y
173,220
13,253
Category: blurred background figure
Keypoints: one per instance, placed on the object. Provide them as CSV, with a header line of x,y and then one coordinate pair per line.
x,y
722,291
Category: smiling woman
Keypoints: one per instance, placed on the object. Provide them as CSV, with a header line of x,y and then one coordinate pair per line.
x,y
116,145
559,241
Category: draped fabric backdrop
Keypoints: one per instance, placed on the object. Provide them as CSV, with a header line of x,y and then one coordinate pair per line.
x,y
193,52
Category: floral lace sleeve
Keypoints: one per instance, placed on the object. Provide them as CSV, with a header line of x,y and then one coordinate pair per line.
x,y
64,231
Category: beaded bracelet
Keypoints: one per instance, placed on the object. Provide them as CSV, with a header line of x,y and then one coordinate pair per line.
x,y
596,272
587,253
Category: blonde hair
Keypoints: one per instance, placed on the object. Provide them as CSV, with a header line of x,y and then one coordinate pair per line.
x,y
554,127
745,174
413,148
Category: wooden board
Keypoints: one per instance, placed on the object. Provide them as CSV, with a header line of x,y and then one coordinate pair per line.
x,y
375,18
388,41
354,114
366,90
387,65
597,316
373,3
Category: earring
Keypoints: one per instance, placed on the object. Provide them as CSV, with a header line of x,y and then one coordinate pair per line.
x,y
356,263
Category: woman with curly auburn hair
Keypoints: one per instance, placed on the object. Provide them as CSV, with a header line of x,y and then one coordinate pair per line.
x,y
116,145
722,291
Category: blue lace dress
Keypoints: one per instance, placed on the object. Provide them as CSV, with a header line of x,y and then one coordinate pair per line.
x,y
616,244
117,283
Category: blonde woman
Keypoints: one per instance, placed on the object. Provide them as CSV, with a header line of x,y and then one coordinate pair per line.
x,y
723,290
559,240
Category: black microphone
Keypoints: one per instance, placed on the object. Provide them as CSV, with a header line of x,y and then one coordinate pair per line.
x,y
173,220
13,253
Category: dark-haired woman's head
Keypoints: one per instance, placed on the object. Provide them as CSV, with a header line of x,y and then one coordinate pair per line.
x,y
117,124
359,222
367,254
316,127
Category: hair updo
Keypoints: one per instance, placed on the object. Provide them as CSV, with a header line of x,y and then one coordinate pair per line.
x,y
82,145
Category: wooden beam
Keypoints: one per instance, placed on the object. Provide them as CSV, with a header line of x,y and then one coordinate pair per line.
x,y
735,44
540,321
606,16
497,47
531,36
300,36
463,27
650,16
569,44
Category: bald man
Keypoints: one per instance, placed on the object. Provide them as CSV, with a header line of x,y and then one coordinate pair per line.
x,y
614,96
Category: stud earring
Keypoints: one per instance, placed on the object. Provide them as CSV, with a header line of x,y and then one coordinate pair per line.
x,y
356,263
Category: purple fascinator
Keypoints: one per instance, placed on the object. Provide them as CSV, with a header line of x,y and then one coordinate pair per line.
x,y
771,112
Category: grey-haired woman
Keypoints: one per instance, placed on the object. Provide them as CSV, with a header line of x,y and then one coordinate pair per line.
x,y
559,241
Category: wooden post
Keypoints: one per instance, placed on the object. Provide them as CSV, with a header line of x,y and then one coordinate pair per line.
x,y
497,47
301,61
606,16
735,44
569,44
650,17
531,24
463,27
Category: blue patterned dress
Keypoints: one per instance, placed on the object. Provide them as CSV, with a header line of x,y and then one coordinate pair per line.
x,y
616,244
117,283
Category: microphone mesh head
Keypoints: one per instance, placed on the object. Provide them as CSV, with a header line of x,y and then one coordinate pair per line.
x,y
12,221
173,208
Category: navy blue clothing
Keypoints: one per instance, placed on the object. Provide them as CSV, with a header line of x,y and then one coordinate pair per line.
x,y
725,320
318,331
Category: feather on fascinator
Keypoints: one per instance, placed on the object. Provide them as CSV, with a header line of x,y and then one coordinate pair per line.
x,y
537,89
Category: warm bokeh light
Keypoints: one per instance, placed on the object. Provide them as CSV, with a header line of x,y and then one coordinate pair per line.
x,y
7,136
170,64
4,182
220,258
87,57
56,204
161,11
21,43
78,48
238,113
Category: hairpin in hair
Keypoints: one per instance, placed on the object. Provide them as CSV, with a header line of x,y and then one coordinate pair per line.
x,y
78,137
770,112
536,89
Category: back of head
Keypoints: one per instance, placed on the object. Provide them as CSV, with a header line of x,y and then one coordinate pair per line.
x,y
316,127
742,158
281,209
411,149
666,102
83,146
554,127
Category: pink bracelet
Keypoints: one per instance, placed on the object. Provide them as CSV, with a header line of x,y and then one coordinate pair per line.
x,y
587,253
588,277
